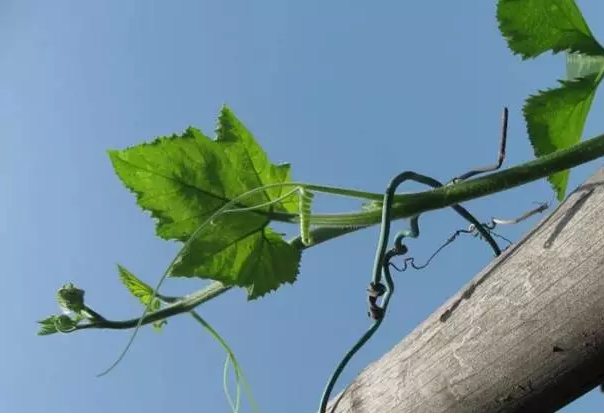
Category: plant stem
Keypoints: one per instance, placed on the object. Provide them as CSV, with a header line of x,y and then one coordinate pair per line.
x,y
407,205
185,304
412,204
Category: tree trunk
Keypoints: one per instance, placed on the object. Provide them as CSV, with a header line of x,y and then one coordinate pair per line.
x,y
525,335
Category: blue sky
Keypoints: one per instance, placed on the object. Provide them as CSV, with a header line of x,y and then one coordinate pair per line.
x,y
349,92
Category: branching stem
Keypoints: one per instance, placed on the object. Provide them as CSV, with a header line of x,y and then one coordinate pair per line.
x,y
406,205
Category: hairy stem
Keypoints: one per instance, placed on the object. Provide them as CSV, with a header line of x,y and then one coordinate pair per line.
x,y
411,204
406,205
185,304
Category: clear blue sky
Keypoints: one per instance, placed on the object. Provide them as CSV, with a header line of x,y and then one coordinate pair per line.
x,y
349,92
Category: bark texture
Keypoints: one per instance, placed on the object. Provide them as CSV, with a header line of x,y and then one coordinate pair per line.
x,y
526,334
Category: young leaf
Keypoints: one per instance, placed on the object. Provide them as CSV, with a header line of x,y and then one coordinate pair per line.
x,y
555,120
532,27
182,180
47,326
141,291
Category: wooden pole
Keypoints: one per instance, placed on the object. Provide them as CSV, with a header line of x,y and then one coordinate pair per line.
x,y
525,335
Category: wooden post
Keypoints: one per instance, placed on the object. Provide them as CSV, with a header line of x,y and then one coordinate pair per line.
x,y
525,335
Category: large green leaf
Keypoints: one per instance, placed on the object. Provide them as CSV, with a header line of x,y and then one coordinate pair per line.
x,y
142,291
556,118
260,259
532,27
255,168
182,180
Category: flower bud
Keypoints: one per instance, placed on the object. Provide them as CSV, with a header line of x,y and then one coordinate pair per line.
x,y
71,298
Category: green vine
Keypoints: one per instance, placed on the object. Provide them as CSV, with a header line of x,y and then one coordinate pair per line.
x,y
219,196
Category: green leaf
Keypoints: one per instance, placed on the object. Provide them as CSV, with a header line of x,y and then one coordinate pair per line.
x,y
260,261
241,148
532,27
47,326
555,120
141,291
182,180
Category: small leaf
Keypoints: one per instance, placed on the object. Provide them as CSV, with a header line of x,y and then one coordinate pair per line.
x,y
555,120
532,27
47,326
183,180
142,291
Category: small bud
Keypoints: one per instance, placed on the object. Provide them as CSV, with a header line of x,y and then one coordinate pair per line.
x,y
64,323
71,298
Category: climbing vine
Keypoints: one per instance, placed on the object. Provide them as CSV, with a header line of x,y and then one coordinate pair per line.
x,y
219,196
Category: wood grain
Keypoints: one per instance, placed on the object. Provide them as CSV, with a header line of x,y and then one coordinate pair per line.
x,y
526,334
